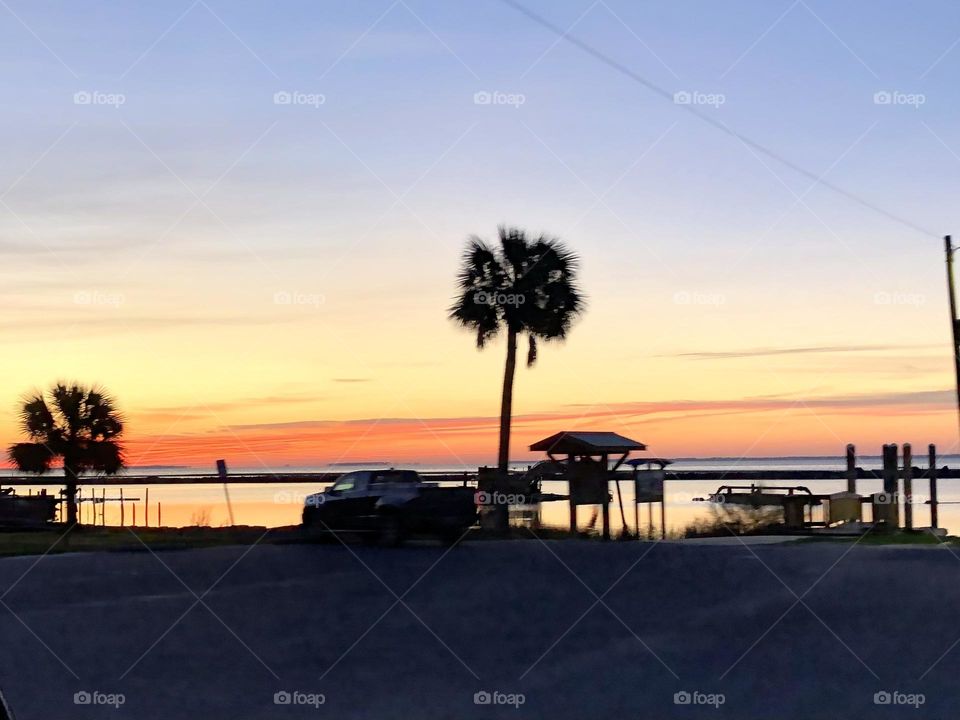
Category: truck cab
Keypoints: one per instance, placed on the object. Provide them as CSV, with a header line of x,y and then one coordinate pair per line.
x,y
389,505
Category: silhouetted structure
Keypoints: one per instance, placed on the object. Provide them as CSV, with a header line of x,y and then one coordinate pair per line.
x,y
588,467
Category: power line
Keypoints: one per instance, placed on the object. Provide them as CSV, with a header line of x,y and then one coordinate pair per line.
x,y
669,96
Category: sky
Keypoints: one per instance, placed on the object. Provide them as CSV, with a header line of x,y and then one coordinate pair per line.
x,y
245,220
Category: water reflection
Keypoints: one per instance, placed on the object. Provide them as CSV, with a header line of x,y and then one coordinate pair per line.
x,y
280,504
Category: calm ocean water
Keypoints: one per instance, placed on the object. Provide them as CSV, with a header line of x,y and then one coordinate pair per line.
x,y
278,504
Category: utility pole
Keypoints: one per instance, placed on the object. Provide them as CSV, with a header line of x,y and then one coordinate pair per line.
x,y
948,246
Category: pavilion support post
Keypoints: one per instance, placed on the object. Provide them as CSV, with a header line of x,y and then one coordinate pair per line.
x,y
573,505
663,509
932,476
623,516
636,500
851,469
907,486
605,508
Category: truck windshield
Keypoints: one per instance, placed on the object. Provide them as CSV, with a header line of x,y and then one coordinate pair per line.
x,y
347,482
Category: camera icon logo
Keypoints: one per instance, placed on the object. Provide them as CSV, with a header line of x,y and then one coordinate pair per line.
x,y
883,97
82,698
882,698
282,698
482,98
482,697
682,698
82,98
282,98
682,98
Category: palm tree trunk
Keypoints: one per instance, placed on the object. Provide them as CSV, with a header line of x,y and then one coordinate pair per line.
x,y
506,403
70,481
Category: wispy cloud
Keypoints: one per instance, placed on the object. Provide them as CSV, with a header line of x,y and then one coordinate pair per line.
x,y
923,400
810,350
142,322
393,438
197,410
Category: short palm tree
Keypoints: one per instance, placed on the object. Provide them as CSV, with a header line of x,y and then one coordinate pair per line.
x,y
523,286
80,426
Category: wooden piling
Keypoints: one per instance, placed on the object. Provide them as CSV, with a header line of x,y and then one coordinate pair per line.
x,y
907,486
146,508
890,469
851,469
121,508
932,477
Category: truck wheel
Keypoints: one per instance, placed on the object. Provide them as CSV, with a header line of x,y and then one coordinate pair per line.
x,y
390,530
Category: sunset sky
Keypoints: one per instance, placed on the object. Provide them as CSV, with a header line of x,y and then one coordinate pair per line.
x,y
267,281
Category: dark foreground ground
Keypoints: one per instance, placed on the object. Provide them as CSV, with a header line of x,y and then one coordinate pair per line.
x,y
574,629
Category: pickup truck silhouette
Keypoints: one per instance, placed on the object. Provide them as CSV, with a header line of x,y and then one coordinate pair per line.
x,y
388,506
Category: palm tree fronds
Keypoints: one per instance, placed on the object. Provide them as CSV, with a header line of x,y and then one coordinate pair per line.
x,y
36,419
31,457
103,456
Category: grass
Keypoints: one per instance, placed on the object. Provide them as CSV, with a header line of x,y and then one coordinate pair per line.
x,y
113,539
98,539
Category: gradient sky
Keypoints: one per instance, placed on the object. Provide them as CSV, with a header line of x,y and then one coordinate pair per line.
x,y
735,306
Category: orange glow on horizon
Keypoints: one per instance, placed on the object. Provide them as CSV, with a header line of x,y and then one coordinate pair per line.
x,y
679,429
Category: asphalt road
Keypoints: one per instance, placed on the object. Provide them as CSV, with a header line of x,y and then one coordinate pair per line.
x,y
567,629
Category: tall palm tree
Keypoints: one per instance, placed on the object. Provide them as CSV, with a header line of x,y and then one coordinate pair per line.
x,y
523,286
80,426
